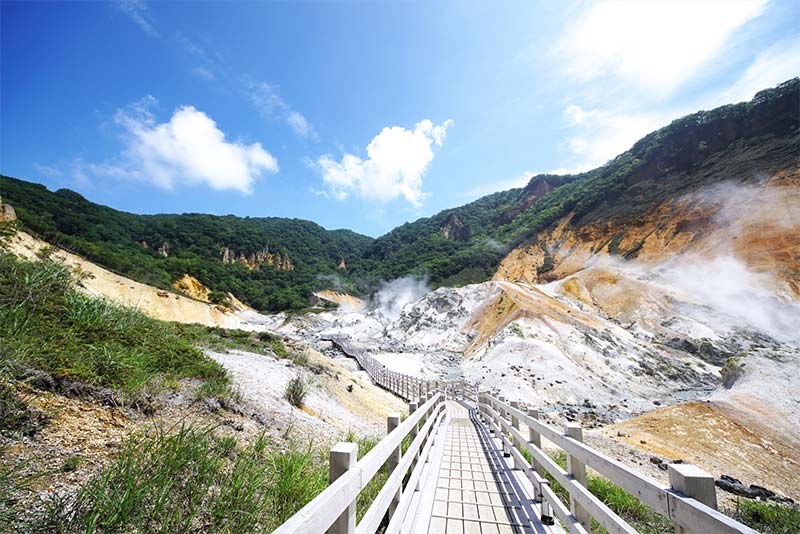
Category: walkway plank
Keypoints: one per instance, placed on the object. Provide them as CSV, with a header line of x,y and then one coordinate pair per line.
x,y
474,488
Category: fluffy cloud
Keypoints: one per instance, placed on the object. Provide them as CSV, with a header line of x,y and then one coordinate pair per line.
x,y
189,149
655,45
397,159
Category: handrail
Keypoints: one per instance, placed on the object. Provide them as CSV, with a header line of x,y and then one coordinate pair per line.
x,y
404,386
339,498
685,511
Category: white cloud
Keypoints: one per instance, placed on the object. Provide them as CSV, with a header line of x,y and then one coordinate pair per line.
x,y
518,180
189,149
772,66
397,159
601,135
655,45
268,101
299,124
139,13
203,73
48,171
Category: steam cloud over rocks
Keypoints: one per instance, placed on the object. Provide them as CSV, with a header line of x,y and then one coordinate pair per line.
x,y
393,296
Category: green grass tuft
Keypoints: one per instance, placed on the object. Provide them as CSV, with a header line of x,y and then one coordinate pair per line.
x,y
767,517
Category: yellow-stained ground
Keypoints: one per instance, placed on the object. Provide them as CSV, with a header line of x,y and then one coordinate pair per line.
x,y
718,438
515,302
346,301
96,280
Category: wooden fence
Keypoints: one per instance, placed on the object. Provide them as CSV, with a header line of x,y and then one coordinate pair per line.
x,y
690,503
334,510
406,387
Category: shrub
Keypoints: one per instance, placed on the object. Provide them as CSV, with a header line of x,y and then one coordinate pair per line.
x,y
296,391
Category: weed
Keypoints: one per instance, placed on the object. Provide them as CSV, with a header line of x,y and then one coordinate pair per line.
x,y
296,391
71,463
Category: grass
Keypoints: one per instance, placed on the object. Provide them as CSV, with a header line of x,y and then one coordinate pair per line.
x,y
48,326
767,517
296,391
188,479
15,487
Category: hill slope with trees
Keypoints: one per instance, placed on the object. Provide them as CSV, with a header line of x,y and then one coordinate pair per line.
x,y
454,247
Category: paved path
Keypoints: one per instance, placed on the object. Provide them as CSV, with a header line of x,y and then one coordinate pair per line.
x,y
475,491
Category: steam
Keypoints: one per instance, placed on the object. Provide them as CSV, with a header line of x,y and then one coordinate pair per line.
x,y
333,280
726,285
393,296
724,282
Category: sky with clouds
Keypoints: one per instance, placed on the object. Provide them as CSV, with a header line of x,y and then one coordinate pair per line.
x,y
359,115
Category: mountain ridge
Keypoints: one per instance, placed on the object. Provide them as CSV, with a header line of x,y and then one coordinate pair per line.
x,y
456,246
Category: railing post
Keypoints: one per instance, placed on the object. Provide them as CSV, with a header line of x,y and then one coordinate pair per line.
x,y
412,407
503,416
577,469
392,422
536,440
694,483
515,425
343,458
547,512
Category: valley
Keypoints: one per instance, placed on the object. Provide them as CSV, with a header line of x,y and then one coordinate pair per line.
x,y
654,300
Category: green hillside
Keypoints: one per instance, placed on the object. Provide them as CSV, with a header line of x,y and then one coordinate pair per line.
x,y
454,247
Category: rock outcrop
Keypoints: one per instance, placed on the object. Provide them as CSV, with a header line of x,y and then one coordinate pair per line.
x,y
756,223
193,287
278,260
342,264
455,229
7,213
164,249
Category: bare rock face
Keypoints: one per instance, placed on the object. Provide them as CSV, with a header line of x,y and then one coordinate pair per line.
x,y
455,229
192,287
342,264
164,249
7,213
254,260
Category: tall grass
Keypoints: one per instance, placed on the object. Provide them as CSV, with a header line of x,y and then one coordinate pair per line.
x,y
47,325
187,479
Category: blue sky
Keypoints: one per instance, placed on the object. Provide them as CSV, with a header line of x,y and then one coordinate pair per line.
x,y
359,115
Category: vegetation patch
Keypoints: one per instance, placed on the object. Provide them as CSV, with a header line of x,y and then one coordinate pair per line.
x,y
56,337
188,479
767,517
296,391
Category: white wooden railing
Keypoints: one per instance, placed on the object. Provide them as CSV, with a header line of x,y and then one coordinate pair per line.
x,y
406,387
334,510
690,502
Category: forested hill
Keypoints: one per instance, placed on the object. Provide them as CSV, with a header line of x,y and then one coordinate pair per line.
x,y
293,256
274,263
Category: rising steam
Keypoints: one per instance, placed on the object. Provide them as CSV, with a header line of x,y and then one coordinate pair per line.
x,y
393,296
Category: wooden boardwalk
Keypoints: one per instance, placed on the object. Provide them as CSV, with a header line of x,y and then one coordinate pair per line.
x,y
471,488
459,463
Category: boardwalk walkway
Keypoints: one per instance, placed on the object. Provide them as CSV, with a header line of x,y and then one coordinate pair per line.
x,y
471,488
